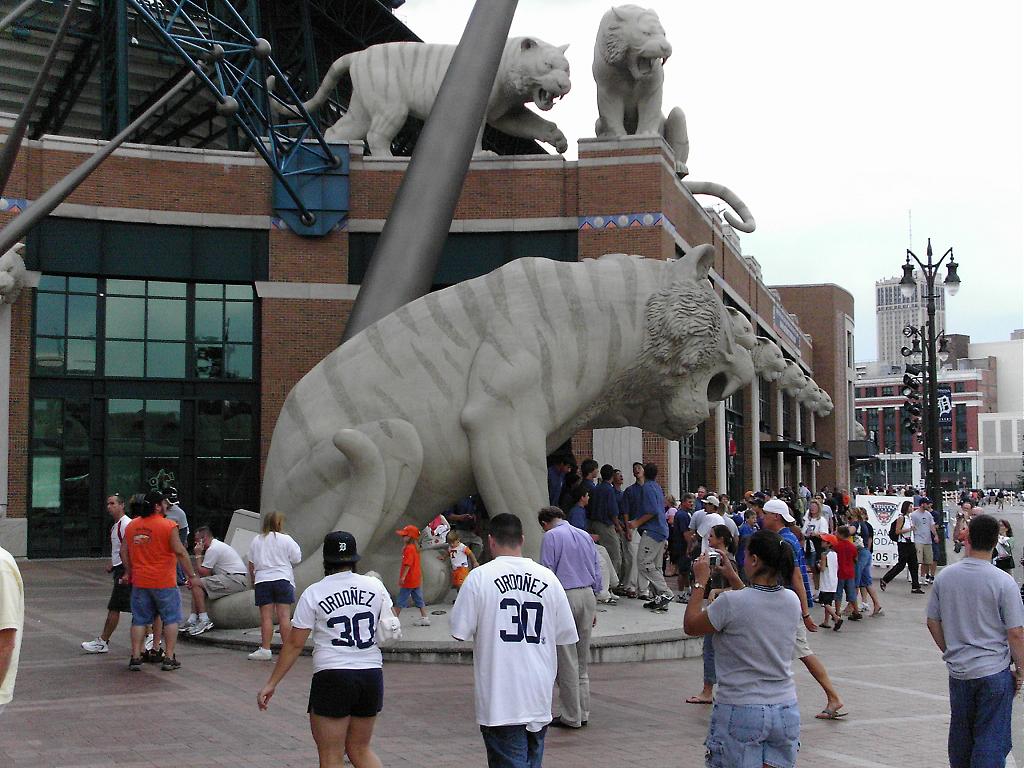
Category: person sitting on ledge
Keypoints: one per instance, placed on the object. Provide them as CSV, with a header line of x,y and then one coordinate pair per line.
x,y
221,573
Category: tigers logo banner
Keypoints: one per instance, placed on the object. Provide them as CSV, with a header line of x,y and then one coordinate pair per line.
x,y
881,511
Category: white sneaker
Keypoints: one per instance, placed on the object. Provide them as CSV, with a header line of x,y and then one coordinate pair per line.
x,y
261,654
148,645
95,646
186,625
422,621
200,627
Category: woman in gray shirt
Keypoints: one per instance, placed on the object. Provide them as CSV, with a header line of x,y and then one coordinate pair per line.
x,y
755,720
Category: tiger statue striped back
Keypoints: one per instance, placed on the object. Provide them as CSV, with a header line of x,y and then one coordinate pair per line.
x,y
392,81
468,389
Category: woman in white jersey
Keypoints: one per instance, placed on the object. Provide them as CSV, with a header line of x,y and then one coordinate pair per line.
x,y
343,611
271,556
755,720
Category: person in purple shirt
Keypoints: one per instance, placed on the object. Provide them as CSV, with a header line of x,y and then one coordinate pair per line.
x,y
578,512
572,555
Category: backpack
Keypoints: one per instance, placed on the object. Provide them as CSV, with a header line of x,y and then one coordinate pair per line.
x,y
893,528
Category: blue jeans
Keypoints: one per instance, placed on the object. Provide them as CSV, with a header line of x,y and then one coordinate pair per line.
x,y
710,675
979,721
512,746
753,735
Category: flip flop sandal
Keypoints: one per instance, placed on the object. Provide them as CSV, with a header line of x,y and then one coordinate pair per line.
x,y
698,700
830,714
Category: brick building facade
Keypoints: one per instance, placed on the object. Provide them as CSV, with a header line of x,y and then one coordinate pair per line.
x,y
176,236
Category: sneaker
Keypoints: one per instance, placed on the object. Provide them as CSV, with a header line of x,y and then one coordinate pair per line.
x,y
153,656
660,603
684,599
95,646
917,591
200,627
148,645
170,664
261,654
186,625
422,621
134,664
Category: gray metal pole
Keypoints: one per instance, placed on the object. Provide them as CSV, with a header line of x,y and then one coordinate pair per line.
x,y
405,261
56,194
13,142
14,15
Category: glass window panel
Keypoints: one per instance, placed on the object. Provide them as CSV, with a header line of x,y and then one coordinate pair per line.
x,y
52,283
76,424
238,361
81,356
163,425
76,491
50,314
47,423
82,316
49,355
124,358
209,424
124,475
126,318
166,319
238,320
127,287
238,292
165,361
125,419
82,284
209,321
46,482
166,289
209,361
238,422
208,291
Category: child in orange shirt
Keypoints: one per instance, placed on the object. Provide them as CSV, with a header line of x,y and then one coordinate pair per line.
x,y
462,559
410,577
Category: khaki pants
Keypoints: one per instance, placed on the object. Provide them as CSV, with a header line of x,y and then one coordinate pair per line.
x,y
609,578
652,555
609,539
573,660
635,580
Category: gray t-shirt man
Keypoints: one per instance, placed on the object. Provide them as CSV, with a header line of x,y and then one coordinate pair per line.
x,y
977,603
923,523
177,514
754,645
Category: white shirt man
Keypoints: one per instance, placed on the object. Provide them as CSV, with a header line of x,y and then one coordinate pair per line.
x,y
121,595
12,624
221,573
517,613
710,519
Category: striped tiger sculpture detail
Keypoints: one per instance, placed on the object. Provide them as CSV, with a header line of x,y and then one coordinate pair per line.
x,y
468,389
392,81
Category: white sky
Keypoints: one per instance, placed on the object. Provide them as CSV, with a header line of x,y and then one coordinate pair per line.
x,y
832,121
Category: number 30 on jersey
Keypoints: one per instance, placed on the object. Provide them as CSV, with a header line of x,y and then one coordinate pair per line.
x,y
526,621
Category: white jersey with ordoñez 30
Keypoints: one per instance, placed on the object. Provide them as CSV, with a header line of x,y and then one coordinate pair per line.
x,y
517,613
343,610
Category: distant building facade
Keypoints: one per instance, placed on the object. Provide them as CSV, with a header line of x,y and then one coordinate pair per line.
x,y
895,312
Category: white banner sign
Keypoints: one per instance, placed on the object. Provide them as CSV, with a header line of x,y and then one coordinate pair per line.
x,y
881,512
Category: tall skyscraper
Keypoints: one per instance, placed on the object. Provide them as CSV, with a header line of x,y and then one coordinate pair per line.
x,y
894,313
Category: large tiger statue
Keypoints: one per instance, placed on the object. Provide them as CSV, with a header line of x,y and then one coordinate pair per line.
x,y
12,274
629,57
392,81
468,389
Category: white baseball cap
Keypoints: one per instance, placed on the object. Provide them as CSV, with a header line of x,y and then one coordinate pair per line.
x,y
779,507
712,501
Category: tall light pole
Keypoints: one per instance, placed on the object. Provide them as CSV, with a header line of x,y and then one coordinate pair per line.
x,y
932,429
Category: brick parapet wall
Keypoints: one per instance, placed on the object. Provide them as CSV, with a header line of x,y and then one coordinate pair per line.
x,y
309,259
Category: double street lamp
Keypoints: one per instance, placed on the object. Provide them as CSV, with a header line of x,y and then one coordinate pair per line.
x,y
928,342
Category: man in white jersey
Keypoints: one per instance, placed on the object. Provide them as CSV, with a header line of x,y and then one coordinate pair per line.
x,y
344,612
517,613
121,596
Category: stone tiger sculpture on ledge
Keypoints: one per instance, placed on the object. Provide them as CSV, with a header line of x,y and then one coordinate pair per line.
x,y
468,389
391,81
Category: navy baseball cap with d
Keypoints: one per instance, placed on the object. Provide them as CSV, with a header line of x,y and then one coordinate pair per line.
x,y
340,547
154,497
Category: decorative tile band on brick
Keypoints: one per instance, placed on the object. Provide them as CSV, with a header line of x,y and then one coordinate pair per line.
x,y
13,204
276,222
626,221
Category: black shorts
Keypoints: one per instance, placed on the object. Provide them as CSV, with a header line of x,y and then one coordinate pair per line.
x,y
345,692
121,595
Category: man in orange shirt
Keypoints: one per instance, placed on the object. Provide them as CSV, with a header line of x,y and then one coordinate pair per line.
x,y
410,577
149,553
